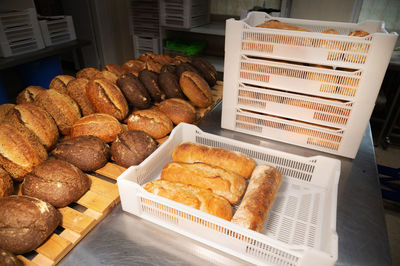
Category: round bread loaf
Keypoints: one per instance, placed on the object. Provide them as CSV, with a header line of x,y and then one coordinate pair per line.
x,y
185,67
60,82
169,83
88,153
151,121
116,69
207,70
37,120
178,110
152,65
6,184
146,55
76,89
61,107
105,74
4,109
56,182
180,59
107,98
196,89
9,259
103,126
134,91
87,73
150,81
20,150
28,95
25,223
134,66
132,147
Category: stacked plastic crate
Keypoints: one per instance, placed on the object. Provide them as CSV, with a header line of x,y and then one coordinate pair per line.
x,y
184,13
144,26
19,32
56,30
310,89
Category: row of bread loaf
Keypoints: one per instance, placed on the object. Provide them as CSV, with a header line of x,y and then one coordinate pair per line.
x,y
50,137
213,180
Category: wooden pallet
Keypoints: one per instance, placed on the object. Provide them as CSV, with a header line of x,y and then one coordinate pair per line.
x,y
80,217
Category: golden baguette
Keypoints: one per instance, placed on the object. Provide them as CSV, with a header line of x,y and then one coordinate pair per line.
x,y
222,182
198,198
236,162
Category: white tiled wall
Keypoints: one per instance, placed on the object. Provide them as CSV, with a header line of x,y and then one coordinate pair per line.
x,y
386,10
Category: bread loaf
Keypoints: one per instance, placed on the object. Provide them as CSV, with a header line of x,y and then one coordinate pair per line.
x,y
134,66
6,184
206,70
4,109
198,198
134,91
236,162
25,223
61,107
116,69
76,89
60,82
28,95
222,182
151,121
178,110
88,153
9,259
257,201
132,147
196,89
107,98
36,120
276,24
20,150
169,83
87,73
103,126
56,182
105,74
150,81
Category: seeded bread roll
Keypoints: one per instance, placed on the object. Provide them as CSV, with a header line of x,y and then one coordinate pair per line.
x,y
107,98
28,95
20,150
60,82
134,66
257,201
6,184
153,65
151,121
88,153
178,110
87,73
4,109
25,223
76,89
132,147
116,69
36,120
103,126
105,74
196,89
236,162
222,182
61,107
56,182
195,197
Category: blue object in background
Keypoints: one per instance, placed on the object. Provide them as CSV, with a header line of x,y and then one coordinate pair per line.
x,y
3,93
40,72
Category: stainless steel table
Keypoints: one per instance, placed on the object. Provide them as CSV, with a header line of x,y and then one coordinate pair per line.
x,y
124,239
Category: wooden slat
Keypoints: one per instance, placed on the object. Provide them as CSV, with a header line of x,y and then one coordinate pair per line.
x,y
95,202
111,170
104,188
76,221
25,261
71,236
55,247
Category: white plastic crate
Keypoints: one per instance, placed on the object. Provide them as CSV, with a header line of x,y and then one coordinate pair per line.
x,y
300,228
313,83
19,33
144,18
143,44
184,13
56,30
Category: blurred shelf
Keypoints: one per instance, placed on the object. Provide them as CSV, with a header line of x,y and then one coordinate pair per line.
x,y
214,28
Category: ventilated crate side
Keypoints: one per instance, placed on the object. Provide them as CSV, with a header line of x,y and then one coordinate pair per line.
x,y
184,13
143,44
58,30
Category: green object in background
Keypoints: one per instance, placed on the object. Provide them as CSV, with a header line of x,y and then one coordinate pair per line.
x,y
186,47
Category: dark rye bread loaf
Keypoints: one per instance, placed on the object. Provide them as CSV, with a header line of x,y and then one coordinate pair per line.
x,y
9,259
56,182
25,223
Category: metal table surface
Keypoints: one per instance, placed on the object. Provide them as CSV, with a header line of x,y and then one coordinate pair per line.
x,y
124,239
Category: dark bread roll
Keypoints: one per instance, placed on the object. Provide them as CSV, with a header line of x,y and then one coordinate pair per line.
x,y
56,182
103,126
153,122
36,120
150,81
132,147
28,95
168,68
4,109
134,66
116,69
196,89
107,98
60,82
20,150
61,107
207,70
169,83
180,59
9,259
6,184
25,223
134,91
185,67
178,110
88,153
76,89
87,73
